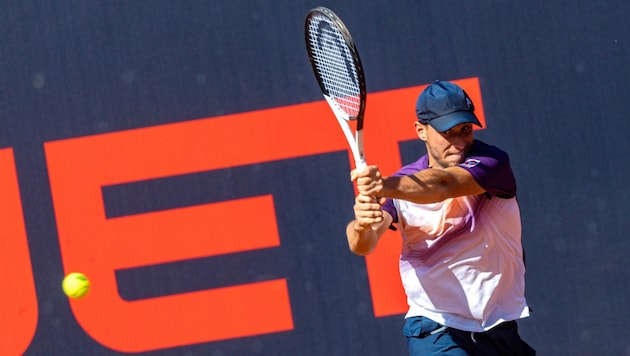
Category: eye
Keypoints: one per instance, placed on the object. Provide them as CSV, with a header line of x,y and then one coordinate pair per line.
x,y
467,129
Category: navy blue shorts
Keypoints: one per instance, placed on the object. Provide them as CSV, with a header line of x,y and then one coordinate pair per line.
x,y
426,337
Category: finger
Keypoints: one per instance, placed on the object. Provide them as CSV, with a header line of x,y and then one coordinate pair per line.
x,y
357,173
366,220
374,172
370,215
375,186
368,209
366,198
369,190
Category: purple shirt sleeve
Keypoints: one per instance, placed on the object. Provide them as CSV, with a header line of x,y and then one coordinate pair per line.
x,y
489,165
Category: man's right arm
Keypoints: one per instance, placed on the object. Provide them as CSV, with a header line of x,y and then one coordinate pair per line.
x,y
370,223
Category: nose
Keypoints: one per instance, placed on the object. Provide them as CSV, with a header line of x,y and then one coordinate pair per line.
x,y
458,141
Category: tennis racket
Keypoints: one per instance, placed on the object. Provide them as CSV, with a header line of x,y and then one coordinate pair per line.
x,y
338,71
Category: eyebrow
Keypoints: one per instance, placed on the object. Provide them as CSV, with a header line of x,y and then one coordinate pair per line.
x,y
462,128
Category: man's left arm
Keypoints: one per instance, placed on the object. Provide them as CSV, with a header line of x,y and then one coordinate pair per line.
x,y
426,186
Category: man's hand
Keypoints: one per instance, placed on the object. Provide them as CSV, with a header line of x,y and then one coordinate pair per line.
x,y
367,228
369,181
367,211
370,221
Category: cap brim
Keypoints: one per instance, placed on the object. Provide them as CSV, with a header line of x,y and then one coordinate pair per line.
x,y
448,121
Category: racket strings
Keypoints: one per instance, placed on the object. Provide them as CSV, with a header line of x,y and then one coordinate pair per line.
x,y
335,64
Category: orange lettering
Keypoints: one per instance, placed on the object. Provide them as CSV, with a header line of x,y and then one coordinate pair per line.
x,y
18,301
98,246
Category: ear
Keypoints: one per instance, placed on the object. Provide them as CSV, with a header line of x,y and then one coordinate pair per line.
x,y
421,130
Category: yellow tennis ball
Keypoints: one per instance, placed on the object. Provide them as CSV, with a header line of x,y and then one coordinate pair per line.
x,y
75,285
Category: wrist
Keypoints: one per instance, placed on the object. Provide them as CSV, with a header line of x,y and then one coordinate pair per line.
x,y
358,227
385,187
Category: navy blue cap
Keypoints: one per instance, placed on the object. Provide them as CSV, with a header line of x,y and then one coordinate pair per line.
x,y
444,105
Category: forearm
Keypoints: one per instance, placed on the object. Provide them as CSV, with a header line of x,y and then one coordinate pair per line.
x,y
431,185
361,240
426,186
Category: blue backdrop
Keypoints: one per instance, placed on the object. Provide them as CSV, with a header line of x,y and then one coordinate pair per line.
x,y
553,76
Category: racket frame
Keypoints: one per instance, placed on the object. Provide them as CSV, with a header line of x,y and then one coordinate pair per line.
x,y
355,140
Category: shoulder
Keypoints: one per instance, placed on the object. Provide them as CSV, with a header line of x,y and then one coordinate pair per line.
x,y
420,164
482,149
485,154
490,166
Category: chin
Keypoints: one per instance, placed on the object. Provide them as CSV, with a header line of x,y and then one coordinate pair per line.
x,y
453,161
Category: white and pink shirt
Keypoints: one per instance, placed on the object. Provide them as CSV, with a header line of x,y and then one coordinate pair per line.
x,y
462,259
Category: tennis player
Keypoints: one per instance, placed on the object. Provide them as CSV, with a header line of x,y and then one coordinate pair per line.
x,y
462,264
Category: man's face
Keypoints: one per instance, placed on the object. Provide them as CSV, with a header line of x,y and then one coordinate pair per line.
x,y
448,148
